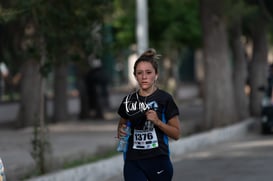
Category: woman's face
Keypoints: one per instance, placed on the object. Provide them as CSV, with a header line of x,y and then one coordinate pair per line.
x,y
145,75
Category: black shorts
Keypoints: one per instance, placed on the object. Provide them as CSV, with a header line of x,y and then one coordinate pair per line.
x,y
152,169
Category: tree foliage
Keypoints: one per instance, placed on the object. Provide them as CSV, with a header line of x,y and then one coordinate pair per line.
x,y
172,21
123,22
176,22
65,25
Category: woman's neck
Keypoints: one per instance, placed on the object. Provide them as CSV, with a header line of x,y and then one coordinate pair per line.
x,y
147,92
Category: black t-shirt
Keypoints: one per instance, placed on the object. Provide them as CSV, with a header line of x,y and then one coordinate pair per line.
x,y
133,108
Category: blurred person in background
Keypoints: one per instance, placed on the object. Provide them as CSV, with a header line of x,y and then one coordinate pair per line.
x,y
131,61
97,89
4,73
269,91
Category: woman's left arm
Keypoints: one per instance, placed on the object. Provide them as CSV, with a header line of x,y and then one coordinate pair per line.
x,y
171,129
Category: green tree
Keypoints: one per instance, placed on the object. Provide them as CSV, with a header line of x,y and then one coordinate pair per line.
x,y
237,11
123,22
257,25
169,31
49,34
219,93
173,32
65,28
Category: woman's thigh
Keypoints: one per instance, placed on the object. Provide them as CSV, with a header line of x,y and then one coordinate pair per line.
x,y
154,169
158,168
132,172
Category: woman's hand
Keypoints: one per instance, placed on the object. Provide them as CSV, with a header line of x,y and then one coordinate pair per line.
x,y
151,115
171,128
121,132
120,129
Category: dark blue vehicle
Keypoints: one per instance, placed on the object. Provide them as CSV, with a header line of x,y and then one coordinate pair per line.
x,y
267,119
266,112
267,104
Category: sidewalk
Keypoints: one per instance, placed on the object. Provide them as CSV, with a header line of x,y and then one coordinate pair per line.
x,y
75,139
69,141
111,169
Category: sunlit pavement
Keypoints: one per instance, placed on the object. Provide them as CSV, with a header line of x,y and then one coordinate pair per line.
x,y
108,168
247,158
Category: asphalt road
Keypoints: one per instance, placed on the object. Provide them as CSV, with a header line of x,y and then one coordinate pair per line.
x,y
245,159
72,139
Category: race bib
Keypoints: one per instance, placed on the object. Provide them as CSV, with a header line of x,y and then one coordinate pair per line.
x,y
145,139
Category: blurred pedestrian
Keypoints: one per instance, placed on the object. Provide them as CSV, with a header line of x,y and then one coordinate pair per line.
x,y
269,90
97,89
153,115
131,61
4,73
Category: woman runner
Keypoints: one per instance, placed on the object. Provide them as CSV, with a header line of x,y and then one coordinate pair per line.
x,y
154,118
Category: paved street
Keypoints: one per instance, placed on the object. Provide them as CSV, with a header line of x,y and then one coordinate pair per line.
x,y
69,141
245,159
73,139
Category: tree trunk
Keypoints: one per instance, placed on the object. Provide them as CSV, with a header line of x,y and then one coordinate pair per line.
x,y
60,112
30,94
258,66
84,113
219,96
240,71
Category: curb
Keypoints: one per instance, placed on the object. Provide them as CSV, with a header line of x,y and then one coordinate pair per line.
x,y
214,136
107,168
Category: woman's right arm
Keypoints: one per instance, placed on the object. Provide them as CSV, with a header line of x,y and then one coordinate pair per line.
x,y
121,126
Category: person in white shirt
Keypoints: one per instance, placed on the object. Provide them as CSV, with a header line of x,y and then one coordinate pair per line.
x,y
4,72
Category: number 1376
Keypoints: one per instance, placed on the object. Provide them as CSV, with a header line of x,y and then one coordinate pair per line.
x,y
143,136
